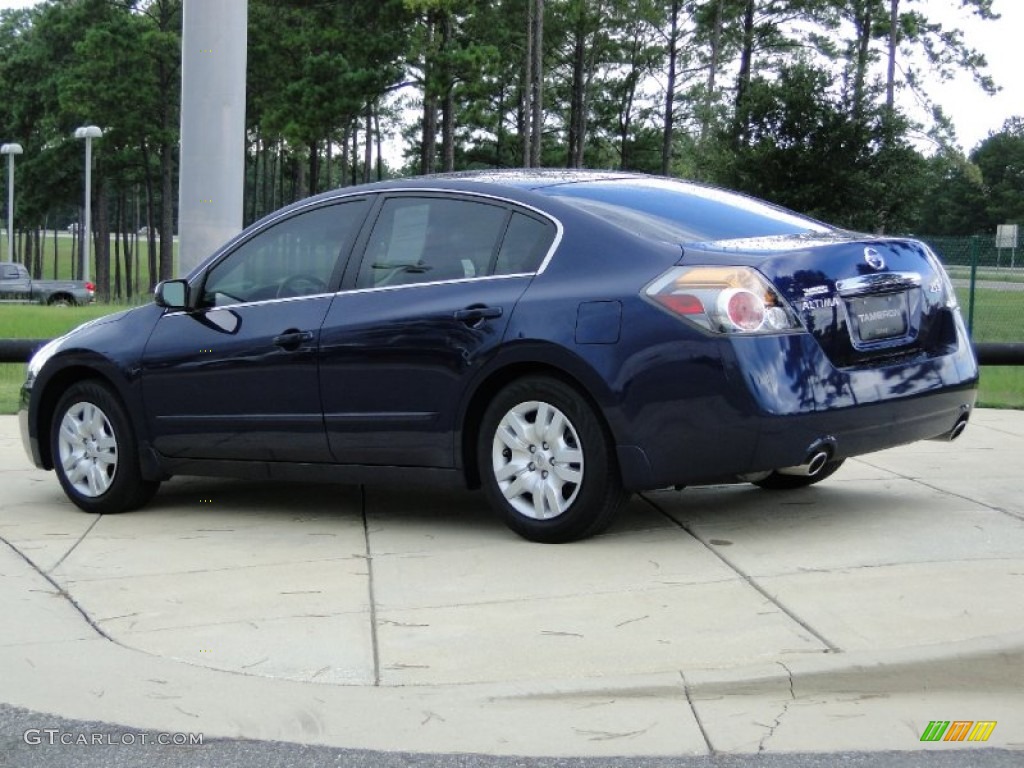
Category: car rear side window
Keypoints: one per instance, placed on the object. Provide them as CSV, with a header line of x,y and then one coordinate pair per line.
x,y
429,239
525,245
294,257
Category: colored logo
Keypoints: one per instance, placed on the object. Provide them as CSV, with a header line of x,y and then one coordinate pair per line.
x,y
958,730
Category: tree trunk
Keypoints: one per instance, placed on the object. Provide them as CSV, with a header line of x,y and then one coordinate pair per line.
x,y
537,95
314,168
37,254
428,146
127,248
670,92
447,100
890,75
150,220
376,133
167,211
255,185
863,23
743,78
715,55
526,102
576,101
368,149
118,229
101,240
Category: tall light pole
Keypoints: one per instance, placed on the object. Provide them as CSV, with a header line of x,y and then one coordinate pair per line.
x,y
87,132
10,150
212,169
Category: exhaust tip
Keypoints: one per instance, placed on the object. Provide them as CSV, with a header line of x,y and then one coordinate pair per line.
x,y
955,432
958,429
813,466
817,463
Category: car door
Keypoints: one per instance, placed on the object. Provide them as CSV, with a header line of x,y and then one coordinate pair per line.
x,y
427,306
236,377
15,283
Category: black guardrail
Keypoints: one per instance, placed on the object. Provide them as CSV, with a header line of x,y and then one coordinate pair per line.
x,y
20,350
990,353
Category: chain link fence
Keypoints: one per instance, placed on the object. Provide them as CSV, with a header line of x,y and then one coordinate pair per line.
x,y
989,282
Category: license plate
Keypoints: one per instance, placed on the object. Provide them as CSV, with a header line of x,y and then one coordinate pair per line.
x,y
879,317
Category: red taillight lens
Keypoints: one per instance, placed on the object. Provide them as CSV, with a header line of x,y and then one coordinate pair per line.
x,y
744,309
723,299
90,287
682,303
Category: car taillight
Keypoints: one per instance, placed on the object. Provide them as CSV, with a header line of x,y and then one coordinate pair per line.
x,y
90,287
949,293
723,299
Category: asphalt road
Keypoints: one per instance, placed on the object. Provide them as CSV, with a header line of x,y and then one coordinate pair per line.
x,y
15,752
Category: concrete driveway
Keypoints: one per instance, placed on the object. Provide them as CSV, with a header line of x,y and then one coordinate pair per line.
x,y
847,616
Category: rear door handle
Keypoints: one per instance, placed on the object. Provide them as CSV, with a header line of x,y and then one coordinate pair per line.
x,y
292,339
476,314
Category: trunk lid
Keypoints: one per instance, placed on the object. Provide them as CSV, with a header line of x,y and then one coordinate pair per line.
x,y
868,301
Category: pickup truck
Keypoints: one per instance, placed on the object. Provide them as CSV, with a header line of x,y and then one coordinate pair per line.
x,y
17,285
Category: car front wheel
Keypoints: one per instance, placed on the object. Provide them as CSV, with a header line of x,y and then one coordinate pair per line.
x,y
547,463
94,451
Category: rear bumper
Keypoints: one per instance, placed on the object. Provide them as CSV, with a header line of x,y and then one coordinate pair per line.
x,y
777,400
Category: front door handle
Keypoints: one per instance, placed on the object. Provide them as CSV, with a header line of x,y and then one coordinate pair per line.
x,y
292,339
475,315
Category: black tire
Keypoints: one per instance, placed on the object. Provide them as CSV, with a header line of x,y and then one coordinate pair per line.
x,y
95,456
779,482
573,462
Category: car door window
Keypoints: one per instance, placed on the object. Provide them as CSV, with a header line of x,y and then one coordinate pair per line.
x,y
294,257
430,239
524,246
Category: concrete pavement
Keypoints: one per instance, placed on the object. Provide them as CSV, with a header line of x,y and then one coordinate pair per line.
x,y
846,616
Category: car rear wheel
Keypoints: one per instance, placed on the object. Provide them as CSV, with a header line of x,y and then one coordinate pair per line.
x,y
94,451
547,463
777,481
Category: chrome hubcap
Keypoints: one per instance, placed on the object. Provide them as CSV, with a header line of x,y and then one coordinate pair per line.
x,y
537,460
88,449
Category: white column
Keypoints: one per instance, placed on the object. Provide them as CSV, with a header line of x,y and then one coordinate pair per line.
x,y
212,172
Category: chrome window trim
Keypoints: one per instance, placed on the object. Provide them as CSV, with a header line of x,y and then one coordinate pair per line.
x,y
263,302
224,307
435,282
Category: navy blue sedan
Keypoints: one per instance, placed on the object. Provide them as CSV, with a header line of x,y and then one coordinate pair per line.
x,y
560,339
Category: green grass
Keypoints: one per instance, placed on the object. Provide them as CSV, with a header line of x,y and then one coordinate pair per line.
x,y
1001,387
997,314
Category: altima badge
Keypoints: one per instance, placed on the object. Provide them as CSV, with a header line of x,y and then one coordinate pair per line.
x,y
874,259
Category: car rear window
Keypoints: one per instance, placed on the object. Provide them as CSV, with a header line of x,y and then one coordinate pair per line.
x,y
683,212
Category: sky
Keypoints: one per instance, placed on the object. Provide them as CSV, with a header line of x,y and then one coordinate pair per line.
x,y
974,113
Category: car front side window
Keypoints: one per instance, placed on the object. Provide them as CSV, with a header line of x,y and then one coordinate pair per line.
x,y
293,257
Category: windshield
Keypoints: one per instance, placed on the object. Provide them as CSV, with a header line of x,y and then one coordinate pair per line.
x,y
683,212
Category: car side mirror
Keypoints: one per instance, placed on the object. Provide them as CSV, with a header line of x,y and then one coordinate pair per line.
x,y
172,294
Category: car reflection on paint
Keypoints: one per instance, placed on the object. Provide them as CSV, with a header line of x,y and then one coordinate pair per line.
x,y
559,339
